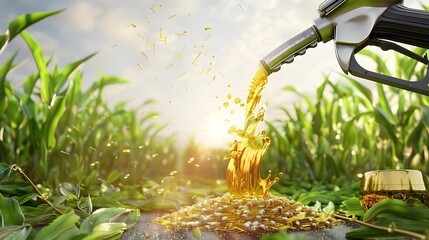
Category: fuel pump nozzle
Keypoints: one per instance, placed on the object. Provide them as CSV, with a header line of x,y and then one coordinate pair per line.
x,y
355,24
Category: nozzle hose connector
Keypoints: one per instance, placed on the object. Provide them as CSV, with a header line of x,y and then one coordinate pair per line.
x,y
287,51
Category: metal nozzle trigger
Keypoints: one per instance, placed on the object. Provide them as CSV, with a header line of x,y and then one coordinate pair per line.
x,y
420,86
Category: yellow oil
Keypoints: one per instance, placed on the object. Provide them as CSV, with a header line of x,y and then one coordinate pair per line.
x,y
243,173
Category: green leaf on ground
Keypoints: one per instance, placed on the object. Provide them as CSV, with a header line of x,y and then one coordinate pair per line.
x,y
15,232
109,215
112,230
352,207
11,213
64,227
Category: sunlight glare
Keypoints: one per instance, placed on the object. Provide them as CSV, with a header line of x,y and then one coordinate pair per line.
x,y
218,124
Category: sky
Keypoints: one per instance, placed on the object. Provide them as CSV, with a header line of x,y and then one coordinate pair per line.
x,y
188,55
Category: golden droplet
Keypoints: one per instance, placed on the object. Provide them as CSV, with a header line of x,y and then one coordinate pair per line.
x,y
173,173
207,29
232,129
197,165
229,85
225,104
237,100
126,150
229,96
131,26
190,160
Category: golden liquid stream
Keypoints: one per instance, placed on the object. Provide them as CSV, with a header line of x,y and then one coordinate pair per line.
x,y
243,173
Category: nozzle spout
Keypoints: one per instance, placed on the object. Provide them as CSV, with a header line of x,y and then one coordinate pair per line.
x,y
286,52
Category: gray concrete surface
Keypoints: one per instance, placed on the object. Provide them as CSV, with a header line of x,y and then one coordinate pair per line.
x,y
147,229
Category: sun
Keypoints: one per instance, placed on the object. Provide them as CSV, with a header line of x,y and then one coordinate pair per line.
x,y
217,125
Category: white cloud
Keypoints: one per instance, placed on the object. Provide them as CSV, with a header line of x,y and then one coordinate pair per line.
x,y
83,16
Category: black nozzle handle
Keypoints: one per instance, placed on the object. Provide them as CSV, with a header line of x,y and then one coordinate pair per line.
x,y
405,25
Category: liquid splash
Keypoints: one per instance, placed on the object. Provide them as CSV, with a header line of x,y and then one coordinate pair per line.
x,y
243,172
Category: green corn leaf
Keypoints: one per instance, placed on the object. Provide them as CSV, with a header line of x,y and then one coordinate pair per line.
x,y
109,215
4,171
24,21
15,232
396,208
46,90
386,123
55,114
3,42
362,89
385,105
321,88
63,227
105,81
113,176
69,70
29,83
11,211
381,63
106,231
3,72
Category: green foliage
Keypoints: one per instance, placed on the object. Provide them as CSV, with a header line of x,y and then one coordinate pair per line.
x,y
352,207
15,232
4,171
20,23
69,139
394,215
10,212
63,227
71,134
348,129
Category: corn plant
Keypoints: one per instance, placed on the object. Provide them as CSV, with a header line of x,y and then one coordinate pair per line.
x,y
55,128
349,129
77,147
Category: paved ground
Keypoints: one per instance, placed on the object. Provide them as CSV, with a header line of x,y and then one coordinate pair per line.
x,y
146,229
